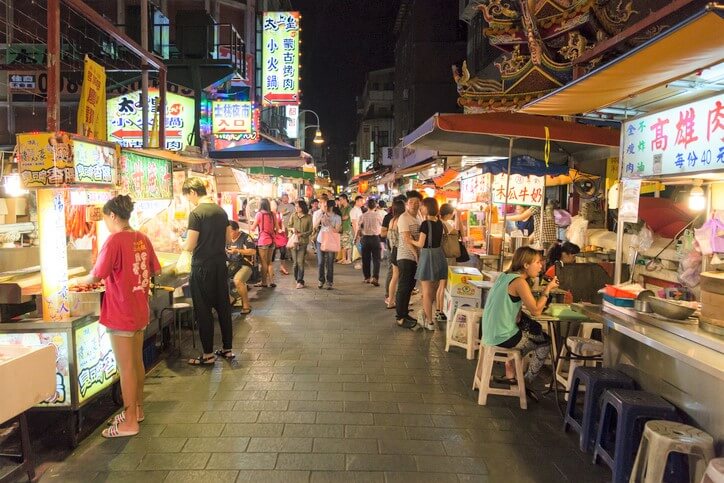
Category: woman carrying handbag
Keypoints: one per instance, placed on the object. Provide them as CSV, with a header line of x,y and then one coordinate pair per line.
x,y
328,244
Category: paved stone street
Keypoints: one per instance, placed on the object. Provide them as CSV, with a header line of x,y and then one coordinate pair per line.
x,y
325,387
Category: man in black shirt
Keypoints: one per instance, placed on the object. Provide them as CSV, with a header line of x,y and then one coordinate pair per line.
x,y
208,234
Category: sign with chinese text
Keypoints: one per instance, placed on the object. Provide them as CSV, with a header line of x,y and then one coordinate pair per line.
x,y
62,372
19,81
280,58
45,159
231,117
145,177
681,140
95,362
475,188
94,163
292,116
522,190
125,119
92,107
53,254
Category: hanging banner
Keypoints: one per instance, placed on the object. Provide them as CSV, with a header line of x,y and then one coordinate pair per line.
x,y
125,119
280,58
681,140
92,107
523,190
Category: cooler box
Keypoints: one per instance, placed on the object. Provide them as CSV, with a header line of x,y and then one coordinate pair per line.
x,y
451,302
458,281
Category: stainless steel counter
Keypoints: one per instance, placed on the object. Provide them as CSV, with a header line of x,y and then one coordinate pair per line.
x,y
680,362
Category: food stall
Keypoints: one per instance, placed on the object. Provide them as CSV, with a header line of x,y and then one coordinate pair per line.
x,y
65,171
672,352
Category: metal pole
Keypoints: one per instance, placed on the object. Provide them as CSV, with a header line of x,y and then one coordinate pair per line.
x,y
9,31
53,65
162,109
144,72
619,225
501,260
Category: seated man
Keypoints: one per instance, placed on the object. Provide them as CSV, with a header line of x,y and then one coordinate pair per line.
x,y
240,253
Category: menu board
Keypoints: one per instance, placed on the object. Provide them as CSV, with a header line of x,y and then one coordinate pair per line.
x,y
62,374
94,163
145,177
475,189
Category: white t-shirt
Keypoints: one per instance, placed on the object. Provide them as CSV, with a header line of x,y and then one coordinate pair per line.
x,y
410,224
355,214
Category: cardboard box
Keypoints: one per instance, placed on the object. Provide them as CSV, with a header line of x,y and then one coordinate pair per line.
x,y
452,302
458,278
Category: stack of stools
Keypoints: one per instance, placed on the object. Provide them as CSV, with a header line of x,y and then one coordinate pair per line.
x,y
488,356
661,438
596,380
472,319
618,438
714,472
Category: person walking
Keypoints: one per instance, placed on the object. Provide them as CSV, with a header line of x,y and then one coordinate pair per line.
x,y
432,266
328,221
300,224
370,226
126,262
267,224
393,237
347,234
207,236
408,225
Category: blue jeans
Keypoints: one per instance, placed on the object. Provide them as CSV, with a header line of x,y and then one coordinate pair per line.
x,y
298,254
325,262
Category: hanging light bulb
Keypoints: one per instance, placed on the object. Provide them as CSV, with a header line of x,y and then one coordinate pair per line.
x,y
697,201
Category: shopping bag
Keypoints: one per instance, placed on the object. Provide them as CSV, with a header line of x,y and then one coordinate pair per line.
x,y
293,241
330,241
183,264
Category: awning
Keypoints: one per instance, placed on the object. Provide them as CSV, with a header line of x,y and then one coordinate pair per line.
x,y
690,46
447,177
268,152
282,172
172,156
525,166
357,177
489,134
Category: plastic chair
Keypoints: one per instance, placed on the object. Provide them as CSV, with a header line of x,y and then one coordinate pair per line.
x,y
632,410
660,438
714,471
488,356
472,319
596,380
179,309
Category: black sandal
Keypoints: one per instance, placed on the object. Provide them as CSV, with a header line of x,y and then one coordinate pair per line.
x,y
225,353
273,285
504,380
245,310
203,361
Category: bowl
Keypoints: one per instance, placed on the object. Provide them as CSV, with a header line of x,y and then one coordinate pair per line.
x,y
670,309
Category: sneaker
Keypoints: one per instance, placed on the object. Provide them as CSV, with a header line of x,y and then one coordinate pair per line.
x,y
440,317
300,285
329,286
320,286
375,282
430,326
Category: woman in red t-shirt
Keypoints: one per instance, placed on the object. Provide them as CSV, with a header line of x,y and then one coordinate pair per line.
x,y
126,262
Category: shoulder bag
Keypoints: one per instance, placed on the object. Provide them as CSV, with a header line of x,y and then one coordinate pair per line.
x,y
450,243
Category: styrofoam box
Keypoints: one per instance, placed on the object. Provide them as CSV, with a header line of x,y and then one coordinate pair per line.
x,y
27,376
452,302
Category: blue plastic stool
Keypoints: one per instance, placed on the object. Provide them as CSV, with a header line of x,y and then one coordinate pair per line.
x,y
596,380
633,410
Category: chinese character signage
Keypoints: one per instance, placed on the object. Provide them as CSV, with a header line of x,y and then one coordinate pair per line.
x,y
125,119
681,140
292,116
144,177
522,190
223,140
94,163
92,107
475,188
280,58
53,254
22,82
231,117
95,362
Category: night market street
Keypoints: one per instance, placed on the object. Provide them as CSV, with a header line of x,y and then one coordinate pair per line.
x,y
325,387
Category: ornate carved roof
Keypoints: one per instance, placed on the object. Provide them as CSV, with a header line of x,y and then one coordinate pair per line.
x,y
539,40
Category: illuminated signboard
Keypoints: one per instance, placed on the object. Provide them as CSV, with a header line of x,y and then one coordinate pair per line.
x,y
681,140
94,163
96,364
231,117
125,119
144,177
292,116
280,58
523,190
225,140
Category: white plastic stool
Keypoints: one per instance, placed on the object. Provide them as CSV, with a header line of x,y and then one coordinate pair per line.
x,y
714,471
470,319
663,437
581,346
486,358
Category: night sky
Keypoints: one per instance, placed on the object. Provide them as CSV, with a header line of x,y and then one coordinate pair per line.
x,y
341,41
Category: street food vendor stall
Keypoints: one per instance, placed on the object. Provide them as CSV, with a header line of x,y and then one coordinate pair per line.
x,y
66,172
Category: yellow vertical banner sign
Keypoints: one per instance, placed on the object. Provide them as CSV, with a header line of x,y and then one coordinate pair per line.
x,y
53,254
92,107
